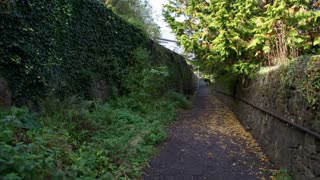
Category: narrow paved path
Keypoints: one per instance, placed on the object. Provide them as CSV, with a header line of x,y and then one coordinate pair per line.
x,y
208,142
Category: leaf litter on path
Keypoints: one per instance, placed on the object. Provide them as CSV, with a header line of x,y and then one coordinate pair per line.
x,y
208,142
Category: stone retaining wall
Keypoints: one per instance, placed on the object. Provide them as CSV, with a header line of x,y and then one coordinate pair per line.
x,y
286,146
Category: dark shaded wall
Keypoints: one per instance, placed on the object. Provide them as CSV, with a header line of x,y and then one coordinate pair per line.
x,y
181,73
70,47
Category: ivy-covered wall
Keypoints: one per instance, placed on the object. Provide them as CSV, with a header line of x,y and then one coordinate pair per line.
x,y
181,74
63,47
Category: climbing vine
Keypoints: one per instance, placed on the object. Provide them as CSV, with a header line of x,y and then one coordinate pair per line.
x,y
63,46
303,75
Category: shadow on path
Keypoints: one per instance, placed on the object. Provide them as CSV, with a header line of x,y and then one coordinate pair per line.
x,y
208,142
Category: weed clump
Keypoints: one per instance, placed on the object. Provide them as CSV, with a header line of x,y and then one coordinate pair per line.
x,y
74,138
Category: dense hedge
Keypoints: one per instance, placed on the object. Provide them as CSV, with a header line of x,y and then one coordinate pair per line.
x,y
63,47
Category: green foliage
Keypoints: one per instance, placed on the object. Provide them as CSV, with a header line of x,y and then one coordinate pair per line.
x,y
20,156
245,68
287,29
138,13
145,79
237,36
303,74
57,50
51,105
281,174
80,139
229,81
312,84
19,118
180,99
109,141
63,47
216,31
180,77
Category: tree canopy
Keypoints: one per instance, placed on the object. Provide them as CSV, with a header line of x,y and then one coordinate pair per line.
x,y
237,36
138,12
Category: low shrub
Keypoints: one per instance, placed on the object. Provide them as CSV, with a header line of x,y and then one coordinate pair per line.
x,y
73,139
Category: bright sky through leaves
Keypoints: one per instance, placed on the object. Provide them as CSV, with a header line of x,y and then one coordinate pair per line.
x,y
157,14
166,33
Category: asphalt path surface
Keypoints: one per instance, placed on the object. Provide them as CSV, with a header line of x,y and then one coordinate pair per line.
x,y
208,142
